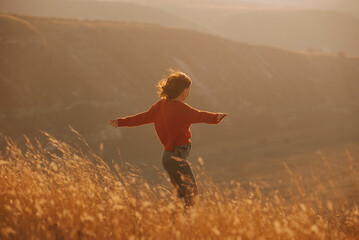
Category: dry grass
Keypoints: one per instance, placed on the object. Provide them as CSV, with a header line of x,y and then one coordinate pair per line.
x,y
71,193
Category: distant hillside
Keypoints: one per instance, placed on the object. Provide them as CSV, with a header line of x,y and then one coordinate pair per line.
x,y
92,9
289,28
313,30
55,72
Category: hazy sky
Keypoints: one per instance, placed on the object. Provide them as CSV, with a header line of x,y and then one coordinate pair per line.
x,y
349,6
318,3
324,4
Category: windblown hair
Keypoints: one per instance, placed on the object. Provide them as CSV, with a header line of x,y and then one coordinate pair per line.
x,y
172,86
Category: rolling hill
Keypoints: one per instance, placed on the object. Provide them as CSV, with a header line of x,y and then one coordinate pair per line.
x,y
55,72
327,31
100,10
299,29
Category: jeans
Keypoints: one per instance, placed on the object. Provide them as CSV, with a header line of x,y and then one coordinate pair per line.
x,y
180,173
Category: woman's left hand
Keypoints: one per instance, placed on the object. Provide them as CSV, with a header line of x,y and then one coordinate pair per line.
x,y
221,116
113,123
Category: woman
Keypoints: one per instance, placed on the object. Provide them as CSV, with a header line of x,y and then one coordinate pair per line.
x,y
172,119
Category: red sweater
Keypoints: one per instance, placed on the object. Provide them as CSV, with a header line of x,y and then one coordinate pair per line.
x,y
172,120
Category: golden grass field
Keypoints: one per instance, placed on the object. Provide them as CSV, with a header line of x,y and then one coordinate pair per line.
x,y
69,192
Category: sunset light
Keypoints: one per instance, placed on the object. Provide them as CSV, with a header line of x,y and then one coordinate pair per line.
x,y
179,119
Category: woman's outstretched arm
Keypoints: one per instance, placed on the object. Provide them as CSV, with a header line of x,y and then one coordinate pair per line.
x,y
196,116
135,120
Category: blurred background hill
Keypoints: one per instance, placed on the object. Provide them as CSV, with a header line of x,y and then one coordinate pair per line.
x,y
297,29
312,26
286,72
101,10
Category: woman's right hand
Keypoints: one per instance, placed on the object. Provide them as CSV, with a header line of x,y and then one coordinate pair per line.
x,y
221,116
113,123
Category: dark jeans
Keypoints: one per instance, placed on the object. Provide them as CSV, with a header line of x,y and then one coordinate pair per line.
x,y
180,172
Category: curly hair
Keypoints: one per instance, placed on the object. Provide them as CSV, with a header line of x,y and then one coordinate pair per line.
x,y
172,86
